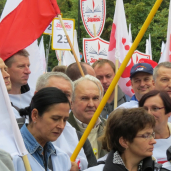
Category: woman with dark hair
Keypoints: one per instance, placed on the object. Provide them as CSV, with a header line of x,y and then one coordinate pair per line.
x,y
48,113
158,104
129,138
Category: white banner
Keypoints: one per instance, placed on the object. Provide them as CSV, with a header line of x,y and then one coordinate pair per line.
x,y
94,49
93,12
59,40
137,55
48,29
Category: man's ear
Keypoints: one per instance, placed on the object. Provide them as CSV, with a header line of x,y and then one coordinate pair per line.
x,y
35,92
34,115
124,143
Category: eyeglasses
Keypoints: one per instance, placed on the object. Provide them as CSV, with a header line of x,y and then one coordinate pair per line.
x,y
147,136
153,108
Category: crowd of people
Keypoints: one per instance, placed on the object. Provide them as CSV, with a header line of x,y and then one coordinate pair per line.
x,y
136,136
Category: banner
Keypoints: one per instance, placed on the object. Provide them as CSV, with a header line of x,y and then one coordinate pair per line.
x,y
94,49
137,55
93,12
59,40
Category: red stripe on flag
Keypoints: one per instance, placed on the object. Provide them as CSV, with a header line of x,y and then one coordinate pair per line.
x,y
25,24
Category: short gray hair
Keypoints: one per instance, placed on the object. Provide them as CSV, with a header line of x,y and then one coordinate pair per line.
x,y
42,81
89,78
162,64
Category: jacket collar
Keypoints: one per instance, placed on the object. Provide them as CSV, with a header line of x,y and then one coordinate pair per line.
x,y
111,165
32,145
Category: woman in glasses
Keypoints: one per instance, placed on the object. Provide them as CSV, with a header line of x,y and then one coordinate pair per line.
x,y
158,104
129,138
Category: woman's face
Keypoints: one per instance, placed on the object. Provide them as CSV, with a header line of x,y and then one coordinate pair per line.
x,y
51,124
142,147
154,106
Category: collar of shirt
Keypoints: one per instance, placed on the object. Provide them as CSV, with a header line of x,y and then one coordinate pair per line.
x,y
34,148
118,160
134,98
84,125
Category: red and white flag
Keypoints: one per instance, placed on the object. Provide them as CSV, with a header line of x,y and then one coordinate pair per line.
x,y
22,22
120,44
166,54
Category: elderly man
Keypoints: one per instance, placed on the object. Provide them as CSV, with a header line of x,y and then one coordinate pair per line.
x,y
105,72
141,76
85,100
18,68
74,73
162,77
69,138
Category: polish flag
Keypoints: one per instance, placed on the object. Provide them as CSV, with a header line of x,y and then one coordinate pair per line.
x,y
120,44
166,54
22,22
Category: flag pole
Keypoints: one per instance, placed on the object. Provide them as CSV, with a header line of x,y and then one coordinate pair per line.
x,y
60,57
116,87
72,48
94,28
116,79
26,163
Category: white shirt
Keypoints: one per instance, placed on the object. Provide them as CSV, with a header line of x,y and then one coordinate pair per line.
x,y
160,148
68,141
127,105
22,100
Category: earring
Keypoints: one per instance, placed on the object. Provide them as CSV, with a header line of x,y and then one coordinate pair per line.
x,y
34,122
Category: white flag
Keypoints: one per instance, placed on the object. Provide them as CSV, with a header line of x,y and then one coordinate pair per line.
x,y
148,50
166,55
130,33
35,64
11,139
42,56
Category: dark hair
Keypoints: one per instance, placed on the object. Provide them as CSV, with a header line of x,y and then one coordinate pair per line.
x,y
10,60
163,95
125,123
60,68
43,100
101,62
73,71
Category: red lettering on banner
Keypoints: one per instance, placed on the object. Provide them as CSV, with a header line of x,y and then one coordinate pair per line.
x,y
94,19
93,60
67,26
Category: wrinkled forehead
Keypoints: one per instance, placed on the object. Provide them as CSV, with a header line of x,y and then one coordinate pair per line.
x,y
163,70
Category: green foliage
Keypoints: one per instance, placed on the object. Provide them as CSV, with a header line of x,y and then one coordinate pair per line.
x,y
2,4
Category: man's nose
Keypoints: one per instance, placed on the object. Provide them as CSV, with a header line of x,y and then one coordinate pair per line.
x,y
27,70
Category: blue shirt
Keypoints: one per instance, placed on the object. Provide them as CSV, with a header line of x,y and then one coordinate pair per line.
x,y
134,98
35,149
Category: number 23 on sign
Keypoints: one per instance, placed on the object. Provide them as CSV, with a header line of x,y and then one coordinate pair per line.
x,y
59,40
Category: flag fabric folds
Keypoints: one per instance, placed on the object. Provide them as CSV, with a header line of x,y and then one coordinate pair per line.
x,y
120,44
24,24
11,139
